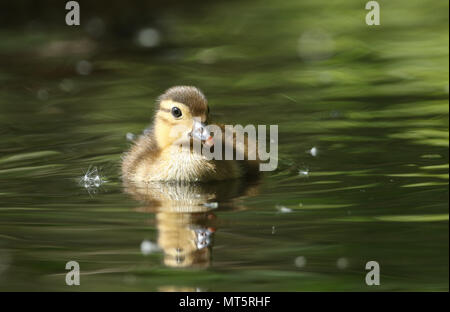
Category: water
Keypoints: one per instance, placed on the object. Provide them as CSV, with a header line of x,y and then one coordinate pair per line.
x,y
363,169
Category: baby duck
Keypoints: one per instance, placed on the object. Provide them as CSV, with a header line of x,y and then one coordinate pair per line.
x,y
182,115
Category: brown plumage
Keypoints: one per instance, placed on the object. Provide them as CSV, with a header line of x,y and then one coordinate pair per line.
x,y
158,156
190,96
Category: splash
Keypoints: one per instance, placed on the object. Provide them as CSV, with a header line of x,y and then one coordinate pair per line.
x,y
92,180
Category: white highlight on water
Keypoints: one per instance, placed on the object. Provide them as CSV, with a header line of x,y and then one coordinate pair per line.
x,y
148,247
300,261
148,37
342,263
83,67
304,172
283,209
212,205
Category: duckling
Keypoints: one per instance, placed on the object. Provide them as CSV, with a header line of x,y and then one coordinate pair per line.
x,y
182,115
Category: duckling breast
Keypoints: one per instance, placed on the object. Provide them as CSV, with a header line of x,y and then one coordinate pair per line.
x,y
178,165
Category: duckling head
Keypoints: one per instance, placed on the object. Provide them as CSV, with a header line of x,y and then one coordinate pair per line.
x,y
182,115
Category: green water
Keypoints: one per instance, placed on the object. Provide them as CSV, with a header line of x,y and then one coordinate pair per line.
x,y
373,101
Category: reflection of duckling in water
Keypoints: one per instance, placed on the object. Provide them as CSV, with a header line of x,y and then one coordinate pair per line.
x,y
186,226
186,238
182,116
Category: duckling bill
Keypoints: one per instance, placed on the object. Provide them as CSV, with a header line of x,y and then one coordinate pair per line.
x,y
182,115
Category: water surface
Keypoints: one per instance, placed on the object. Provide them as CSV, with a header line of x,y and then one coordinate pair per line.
x,y
373,102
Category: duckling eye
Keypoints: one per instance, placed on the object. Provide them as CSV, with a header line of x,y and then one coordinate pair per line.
x,y
176,112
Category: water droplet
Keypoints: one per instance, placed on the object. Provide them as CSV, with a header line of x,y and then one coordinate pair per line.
x,y
283,209
148,247
92,180
148,37
300,261
83,67
212,205
304,172
207,56
130,136
315,45
342,263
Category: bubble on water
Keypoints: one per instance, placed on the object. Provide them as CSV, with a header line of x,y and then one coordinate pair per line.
x,y
42,94
315,45
283,209
83,67
130,136
342,263
97,181
147,130
207,56
212,205
304,172
92,180
67,85
300,261
148,37
313,151
148,247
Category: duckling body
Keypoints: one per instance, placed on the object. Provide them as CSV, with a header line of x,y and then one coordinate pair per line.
x,y
156,157
175,164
